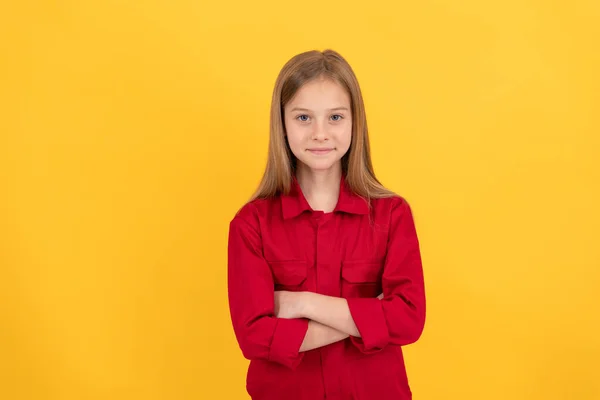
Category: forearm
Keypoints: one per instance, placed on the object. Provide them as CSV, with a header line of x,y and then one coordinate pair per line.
x,y
330,311
319,335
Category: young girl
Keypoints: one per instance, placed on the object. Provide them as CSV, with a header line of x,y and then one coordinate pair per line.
x,y
324,269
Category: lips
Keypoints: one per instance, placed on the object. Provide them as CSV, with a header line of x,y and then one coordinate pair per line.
x,y
320,151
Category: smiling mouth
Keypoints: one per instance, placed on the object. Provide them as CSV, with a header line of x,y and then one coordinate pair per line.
x,y
320,151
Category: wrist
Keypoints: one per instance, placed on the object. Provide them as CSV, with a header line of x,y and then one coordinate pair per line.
x,y
306,304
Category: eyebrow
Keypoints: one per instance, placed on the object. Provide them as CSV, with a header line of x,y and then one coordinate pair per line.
x,y
331,109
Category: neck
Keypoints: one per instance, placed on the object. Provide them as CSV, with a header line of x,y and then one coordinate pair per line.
x,y
320,188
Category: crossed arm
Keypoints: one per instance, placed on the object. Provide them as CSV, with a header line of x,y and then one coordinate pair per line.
x,y
280,327
329,317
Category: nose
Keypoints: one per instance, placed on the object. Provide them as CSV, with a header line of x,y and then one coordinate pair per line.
x,y
319,132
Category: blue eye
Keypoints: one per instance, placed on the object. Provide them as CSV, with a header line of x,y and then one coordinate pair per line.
x,y
303,118
336,117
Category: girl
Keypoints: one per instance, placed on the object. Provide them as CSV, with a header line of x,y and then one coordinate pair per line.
x,y
325,279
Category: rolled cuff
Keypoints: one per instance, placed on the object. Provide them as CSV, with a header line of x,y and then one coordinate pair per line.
x,y
370,321
287,339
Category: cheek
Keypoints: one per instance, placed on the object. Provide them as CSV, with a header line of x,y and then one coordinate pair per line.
x,y
344,136
295,140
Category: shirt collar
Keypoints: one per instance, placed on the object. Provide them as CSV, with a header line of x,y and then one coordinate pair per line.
x,y
294,203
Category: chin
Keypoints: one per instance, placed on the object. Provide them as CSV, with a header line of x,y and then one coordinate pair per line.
x,y
320,166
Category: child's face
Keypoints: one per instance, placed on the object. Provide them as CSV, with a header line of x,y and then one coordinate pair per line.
x,y
318,123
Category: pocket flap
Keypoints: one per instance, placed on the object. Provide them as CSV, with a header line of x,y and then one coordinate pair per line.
x,y
362,271
291,273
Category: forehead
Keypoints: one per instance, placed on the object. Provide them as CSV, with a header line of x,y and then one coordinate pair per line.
x,y
320,93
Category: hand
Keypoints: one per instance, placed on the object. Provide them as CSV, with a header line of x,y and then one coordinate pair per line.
x,y
289,305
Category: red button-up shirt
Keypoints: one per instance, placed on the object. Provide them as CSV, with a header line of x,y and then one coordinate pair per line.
x,y
355,252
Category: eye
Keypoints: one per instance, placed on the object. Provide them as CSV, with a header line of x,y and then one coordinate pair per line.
x,y
337,117
302,118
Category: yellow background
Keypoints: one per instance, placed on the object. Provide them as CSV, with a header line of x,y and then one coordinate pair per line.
x,y
131,131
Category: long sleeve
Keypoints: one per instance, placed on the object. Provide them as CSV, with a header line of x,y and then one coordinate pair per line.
x,y
259,333
399,317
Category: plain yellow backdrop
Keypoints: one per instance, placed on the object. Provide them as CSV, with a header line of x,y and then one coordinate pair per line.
x,y
131,131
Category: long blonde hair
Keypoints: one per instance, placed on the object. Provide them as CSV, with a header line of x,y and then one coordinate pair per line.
x,y
281,163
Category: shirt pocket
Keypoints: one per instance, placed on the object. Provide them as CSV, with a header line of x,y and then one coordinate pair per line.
x,y
289,275
361,278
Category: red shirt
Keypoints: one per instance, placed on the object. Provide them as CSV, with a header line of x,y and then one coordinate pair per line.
x,y
354,252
